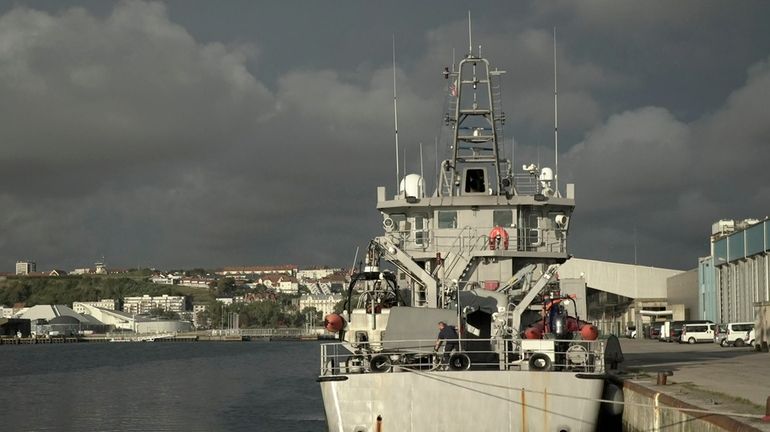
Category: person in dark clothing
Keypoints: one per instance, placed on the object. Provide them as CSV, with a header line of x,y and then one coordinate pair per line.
x,y
448,336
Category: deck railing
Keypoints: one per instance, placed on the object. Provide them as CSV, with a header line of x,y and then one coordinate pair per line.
x,y
470,354
523,239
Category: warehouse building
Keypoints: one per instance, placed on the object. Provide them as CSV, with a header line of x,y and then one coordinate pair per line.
x,y
734,278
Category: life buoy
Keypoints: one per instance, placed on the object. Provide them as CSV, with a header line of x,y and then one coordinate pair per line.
x,y
539,362
498,235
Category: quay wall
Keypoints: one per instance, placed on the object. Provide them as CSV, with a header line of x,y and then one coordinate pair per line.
x,y
649,410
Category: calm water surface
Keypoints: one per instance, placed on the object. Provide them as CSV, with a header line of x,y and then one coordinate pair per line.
x,y
248,386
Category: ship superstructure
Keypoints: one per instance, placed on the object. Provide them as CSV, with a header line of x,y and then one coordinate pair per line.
x,y
480,253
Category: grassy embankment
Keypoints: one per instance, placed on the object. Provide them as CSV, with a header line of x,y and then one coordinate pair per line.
x,y
67,289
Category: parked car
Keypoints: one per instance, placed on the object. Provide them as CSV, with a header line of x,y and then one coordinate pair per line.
x,y
737,334
654,332
750,336
692,333
631,332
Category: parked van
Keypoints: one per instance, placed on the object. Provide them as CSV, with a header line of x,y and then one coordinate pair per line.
x,y
750,337
672,330
692,333
736,334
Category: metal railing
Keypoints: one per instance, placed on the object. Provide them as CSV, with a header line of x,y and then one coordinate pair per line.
x,y
463,240
470,354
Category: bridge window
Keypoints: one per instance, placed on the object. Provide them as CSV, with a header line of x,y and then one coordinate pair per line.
x,y
502,218
475,181
419,229
447,219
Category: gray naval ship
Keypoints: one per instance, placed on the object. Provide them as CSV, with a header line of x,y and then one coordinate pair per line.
x,y
480,254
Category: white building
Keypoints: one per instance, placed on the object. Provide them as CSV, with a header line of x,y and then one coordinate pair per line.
x,y
25,267
287,269
323,303
6,312
314,273
100,268
81,271
281,283
145,303
80,307
195,282
165,279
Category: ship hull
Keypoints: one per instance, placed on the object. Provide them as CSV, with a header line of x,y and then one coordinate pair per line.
x,y
462,401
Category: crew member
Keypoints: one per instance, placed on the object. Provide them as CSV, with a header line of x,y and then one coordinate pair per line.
x,y
448,336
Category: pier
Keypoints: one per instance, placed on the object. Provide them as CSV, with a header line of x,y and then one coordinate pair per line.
x,y
36,340
225,335
694,387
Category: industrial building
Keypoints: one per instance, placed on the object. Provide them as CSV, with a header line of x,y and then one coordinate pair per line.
x,y
733,279
622,296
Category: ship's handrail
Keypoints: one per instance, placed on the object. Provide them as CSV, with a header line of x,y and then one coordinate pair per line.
x,y
464,240
573,355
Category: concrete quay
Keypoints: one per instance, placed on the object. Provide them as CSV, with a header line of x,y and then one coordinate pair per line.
x,y
722,380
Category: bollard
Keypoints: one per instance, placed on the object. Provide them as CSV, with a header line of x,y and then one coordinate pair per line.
x,y
663,375
766,418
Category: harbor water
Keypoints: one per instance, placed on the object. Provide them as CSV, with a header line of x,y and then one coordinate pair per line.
x,y
248,386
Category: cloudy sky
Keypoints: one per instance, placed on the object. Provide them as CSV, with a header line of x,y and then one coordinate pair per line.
x,y
192,133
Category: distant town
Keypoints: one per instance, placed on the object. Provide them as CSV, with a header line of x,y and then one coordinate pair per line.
x,y
100,299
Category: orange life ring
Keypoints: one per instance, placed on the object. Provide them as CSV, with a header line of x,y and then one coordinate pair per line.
x,y
493,238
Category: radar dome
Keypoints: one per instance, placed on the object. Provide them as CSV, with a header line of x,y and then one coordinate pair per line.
x,y
413,185
546,174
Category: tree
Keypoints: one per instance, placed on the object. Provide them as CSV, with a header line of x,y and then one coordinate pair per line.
x,y
226,287
317,316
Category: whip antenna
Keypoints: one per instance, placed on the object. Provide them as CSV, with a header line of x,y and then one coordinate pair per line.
x,y
395,115
470,38
555,120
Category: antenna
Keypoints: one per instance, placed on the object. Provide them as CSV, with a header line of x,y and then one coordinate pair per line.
x,y
422,173
513,149
355,258
470,37
435,148
405,147
395,114
555,120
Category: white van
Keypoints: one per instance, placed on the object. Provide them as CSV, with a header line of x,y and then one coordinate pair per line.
x,y
736,334
692,333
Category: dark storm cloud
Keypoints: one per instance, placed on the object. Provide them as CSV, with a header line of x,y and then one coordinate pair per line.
x,y
186,134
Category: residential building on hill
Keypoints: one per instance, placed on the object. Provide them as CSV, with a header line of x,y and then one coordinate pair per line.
x,y
196,282
323,303
80,307
146,303
25,267
314,273
287,269
279,282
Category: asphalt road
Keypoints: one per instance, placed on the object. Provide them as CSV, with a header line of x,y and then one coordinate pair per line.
x,y
738,372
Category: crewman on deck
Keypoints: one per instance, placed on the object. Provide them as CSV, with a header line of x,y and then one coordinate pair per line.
x,y
448,336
